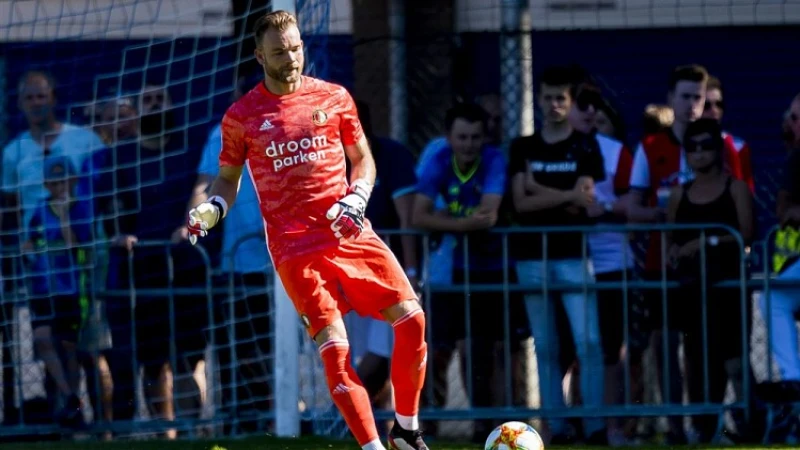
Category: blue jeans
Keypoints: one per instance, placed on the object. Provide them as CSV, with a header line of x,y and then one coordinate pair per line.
x,y
783,334
582,314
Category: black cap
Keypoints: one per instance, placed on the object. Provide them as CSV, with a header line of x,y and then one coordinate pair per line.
x,y
58,168
703,134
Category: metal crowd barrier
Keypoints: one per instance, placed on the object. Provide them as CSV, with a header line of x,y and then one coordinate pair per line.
x,y
510,412
208,289
14,302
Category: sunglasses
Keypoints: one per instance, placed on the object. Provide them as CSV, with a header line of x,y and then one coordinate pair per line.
x,y
703,145
719,104
588,98
153,97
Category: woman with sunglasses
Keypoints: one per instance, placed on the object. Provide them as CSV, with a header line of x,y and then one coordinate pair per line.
x,y
712,197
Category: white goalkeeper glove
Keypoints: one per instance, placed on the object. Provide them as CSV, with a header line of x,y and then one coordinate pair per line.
x,y
204,216
348,213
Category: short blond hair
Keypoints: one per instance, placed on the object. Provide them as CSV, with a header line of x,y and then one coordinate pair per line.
x,y
279,20
657,118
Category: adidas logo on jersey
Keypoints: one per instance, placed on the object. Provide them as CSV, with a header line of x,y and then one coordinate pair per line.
x,y
341,389
266,125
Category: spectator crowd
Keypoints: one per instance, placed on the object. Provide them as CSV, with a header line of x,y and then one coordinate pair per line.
x,y
93,243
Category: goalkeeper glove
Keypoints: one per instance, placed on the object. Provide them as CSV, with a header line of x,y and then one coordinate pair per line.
x,y
348,213
204,216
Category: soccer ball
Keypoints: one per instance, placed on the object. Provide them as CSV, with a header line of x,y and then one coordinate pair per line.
x,y
514,436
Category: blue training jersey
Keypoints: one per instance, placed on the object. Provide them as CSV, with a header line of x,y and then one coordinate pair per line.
x,y
462,193
56,269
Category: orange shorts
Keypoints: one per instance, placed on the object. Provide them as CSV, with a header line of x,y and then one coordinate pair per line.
x,y
361,275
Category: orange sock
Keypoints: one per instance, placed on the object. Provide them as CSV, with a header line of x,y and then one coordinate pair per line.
x,y
409,361
347,391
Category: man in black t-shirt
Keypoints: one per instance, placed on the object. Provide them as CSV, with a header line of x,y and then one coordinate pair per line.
x,y
552,177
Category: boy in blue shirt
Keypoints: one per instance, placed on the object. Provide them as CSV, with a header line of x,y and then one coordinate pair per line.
x,y
60,231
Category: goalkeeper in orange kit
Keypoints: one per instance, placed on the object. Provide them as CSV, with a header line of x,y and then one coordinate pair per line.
x,y
294,134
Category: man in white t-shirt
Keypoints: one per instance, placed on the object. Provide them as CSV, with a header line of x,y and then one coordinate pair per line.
x,y
246,259
611,254
22,181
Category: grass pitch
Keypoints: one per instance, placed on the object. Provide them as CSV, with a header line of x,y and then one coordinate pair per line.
x,y
267,443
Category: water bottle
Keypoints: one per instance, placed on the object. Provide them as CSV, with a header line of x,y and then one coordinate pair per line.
x,y
662,194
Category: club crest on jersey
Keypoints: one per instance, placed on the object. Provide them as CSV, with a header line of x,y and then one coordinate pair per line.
x,y
319,117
